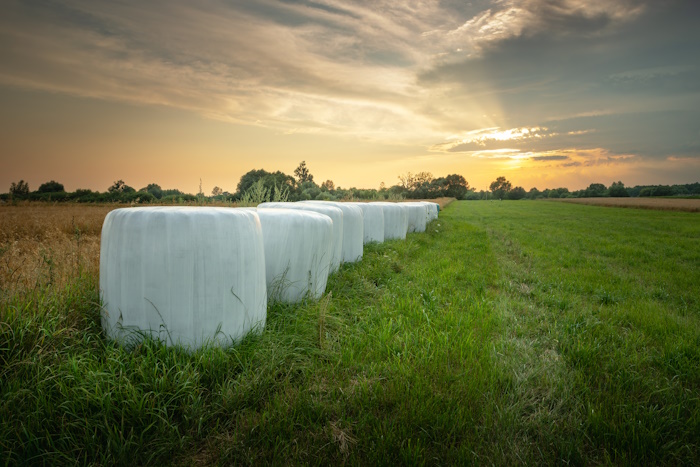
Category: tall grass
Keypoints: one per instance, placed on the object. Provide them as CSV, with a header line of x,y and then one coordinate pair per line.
x,y
508,333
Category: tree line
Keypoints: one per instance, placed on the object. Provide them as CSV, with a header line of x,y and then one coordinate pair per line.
x,y
255,186
118,192
259,185
503,189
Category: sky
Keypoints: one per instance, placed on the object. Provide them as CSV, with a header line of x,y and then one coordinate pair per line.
x,y
548,93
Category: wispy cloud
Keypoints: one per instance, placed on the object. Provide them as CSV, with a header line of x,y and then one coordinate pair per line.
x,y
550,158
301,65
492,75
492,138
511,19
326,67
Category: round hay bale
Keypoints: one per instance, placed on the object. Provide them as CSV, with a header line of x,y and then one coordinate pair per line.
x,y
185,275
373,221
336,215
353,229
395,220
298,251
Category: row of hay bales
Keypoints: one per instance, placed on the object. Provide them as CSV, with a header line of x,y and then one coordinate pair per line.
x,y
195,275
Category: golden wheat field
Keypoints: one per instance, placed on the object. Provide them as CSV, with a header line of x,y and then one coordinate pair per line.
x,y
666,204
48,245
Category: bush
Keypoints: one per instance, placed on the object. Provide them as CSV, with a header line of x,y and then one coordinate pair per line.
x,y
516,193
51,187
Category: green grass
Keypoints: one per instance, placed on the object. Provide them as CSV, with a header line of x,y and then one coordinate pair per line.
x,y
508,333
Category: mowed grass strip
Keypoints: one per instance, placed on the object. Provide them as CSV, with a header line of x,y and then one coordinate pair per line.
x,y
513,332
602,309
691,204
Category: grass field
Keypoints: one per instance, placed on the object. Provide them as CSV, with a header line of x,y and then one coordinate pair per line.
x,y
508,333
665,204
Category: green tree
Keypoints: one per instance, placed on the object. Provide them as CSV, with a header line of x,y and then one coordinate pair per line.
x,y
120,187
50,187
517,193
217,191
302,173
500,187
595,190
154,189
417,185
19,189
456,186
533,193
271,181
309,190
663,190
618,190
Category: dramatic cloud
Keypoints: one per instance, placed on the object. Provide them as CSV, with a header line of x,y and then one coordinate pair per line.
x,y
513,19
494,138
550,158
517,82
292,66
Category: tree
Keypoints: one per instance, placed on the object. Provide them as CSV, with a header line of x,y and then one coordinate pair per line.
x,y
500,187
456,186
216,191
517,193
19,189
406,181
422,178
272,181
533,193
50,187
436,188
302,173
328,185
309,190
663,190
595,190
154,189
618,190
120,187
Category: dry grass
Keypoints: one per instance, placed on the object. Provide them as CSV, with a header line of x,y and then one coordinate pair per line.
x,y
441,201
48,245
664,204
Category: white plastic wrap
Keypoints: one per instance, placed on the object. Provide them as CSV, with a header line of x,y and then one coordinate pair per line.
x,y
298,252
333,212
395,220
433,210
186,275
417,216
353,229
373,219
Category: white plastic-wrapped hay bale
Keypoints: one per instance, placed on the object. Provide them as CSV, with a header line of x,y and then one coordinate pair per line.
x,y
395,220
433,210
417,216
373,221
186,275
336,216
353,229
298,251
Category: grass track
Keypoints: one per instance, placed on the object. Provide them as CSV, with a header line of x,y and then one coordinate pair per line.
x,y
513,332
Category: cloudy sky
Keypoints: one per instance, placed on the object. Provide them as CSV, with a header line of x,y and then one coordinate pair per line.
x,y
548,93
